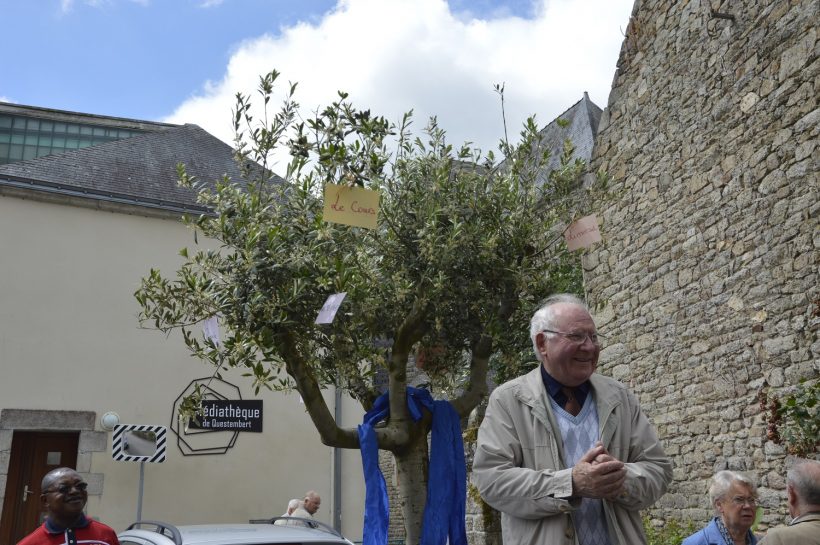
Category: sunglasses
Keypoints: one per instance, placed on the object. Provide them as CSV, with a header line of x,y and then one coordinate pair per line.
x,y
64,489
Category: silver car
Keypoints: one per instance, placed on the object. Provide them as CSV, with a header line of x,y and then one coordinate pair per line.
x,y
159,533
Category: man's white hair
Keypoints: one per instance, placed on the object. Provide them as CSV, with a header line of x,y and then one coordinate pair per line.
x,y
544,317
803,478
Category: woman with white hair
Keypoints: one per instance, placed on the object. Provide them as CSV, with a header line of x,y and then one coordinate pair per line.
x,y
734,497
293,505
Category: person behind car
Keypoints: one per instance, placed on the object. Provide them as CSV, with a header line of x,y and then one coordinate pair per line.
x,y
63,497
292,506
734,498
303,514
312,502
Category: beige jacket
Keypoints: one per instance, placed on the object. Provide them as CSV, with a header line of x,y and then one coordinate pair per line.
x,y
803,530
519,469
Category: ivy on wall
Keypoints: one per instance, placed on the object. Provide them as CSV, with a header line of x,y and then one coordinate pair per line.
x,y
794,419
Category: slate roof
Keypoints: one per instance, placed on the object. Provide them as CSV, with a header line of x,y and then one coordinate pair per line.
x,y
581,125
138,171
141,171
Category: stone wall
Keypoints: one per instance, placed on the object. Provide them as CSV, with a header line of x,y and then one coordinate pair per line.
x,y
706,285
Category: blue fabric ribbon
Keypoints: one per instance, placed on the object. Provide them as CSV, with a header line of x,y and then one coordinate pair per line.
x,y
444,512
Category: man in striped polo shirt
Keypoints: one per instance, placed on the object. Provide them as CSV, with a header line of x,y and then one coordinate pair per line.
x,y
64,496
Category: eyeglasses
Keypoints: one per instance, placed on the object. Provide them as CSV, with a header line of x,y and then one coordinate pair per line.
x,y
64,489
577,338
740,501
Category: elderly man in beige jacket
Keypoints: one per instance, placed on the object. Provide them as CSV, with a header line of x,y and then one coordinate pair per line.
x,y
565,454
803,491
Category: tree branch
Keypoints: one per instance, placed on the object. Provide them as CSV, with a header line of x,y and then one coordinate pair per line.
x,y
477,387
480,360
329,432
408,333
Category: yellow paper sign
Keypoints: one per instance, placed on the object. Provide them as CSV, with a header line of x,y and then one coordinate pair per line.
x,y
582,233
351,205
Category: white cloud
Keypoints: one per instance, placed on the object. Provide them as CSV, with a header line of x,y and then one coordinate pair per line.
x,y
397,55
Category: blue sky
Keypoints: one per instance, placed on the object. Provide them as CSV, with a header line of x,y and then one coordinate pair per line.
x,y
182,61
124,58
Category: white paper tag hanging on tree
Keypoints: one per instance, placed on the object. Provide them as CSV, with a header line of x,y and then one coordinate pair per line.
x,y
582,233
210,328
329,309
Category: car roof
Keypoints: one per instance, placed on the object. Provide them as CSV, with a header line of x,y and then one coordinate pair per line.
x,y
236,534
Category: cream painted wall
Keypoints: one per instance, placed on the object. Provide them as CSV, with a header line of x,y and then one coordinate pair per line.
x,y
69,340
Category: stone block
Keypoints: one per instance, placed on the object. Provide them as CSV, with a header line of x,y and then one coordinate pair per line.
x,y
5,440
781,137
804,150
778,345
697,182
728,163
621,373
772,182
808,122
684,277
796,56
84,462
767,86
747,103
799,170
93,441
700,347
735,303
774,377
773,160
613,353
772,450
644,341
47,420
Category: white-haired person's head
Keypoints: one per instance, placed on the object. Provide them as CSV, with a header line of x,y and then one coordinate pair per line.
x,y
803,488
733,495
544,317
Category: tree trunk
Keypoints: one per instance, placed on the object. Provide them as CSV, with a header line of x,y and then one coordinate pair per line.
x,y
412,474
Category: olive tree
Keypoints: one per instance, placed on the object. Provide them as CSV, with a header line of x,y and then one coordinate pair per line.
x,y
466,244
